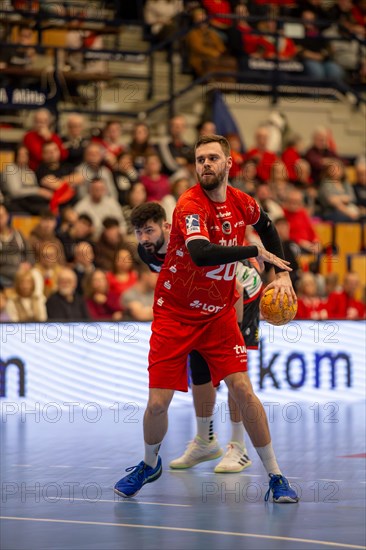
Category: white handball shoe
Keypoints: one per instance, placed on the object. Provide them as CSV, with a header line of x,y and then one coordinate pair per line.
x,y
234,461
197,451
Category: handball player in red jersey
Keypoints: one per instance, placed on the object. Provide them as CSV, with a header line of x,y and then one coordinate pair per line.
x,y
194,310
152,233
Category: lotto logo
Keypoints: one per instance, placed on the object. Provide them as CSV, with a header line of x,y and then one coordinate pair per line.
x,y
206,308
193,224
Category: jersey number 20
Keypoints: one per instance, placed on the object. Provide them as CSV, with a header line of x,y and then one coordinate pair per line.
x,y
225,271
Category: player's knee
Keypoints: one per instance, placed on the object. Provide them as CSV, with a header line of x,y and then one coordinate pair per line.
x,y
241,389
157,407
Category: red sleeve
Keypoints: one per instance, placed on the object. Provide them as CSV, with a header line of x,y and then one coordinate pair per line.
x,y
192,221
336,306
302,310
92,309
113,302
64,152
34,144
358,16
289,157
289,50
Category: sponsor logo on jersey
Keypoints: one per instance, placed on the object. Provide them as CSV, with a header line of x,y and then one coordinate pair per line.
x,y
206,308
223,215
239,223
226,227
167,285
160,301
193,224
230,242
239,350
173,269
179,252
214,228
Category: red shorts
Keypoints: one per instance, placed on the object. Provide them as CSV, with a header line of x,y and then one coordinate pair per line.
x,y
219,341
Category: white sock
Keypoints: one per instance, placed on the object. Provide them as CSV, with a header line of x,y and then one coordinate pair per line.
x,y
237,433
205,427
268,458
151,454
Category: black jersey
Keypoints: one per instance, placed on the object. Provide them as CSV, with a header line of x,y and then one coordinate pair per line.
x,y
154,261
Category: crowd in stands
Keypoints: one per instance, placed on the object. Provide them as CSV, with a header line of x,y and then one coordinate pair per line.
x,y
323,43
79,261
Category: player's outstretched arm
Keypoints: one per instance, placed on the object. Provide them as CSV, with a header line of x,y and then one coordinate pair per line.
x,y
204,253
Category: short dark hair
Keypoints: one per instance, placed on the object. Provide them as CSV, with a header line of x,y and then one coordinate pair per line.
x,y
85,218
110,222
214,138
47,214
147,211
94,180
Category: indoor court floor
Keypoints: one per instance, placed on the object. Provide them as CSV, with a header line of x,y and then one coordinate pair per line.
x,y
58,472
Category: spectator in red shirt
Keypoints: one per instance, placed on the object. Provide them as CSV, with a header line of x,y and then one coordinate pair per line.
x,y
39,135
156,184
291,155
301,228
265,46
110,143
123,274
343,305
309,304
102,304
261,155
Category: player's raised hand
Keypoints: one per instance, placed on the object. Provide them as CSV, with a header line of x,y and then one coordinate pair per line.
x,y
266,256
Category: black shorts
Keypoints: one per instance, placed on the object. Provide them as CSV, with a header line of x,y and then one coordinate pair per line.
x,y
250,324
200,373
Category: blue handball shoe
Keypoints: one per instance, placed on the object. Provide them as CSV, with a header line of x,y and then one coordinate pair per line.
x,y
281,489
130,485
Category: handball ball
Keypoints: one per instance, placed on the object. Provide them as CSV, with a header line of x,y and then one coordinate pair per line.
x,y
275,314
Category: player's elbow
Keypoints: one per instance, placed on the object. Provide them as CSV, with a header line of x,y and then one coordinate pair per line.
x,y
198,252
198,260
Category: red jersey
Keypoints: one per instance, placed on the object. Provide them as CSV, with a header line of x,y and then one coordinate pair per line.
x,y
339,303
265,161
184,290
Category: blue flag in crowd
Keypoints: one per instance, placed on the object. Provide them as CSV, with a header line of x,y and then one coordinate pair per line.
x,y
224,120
